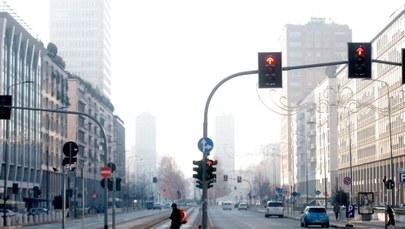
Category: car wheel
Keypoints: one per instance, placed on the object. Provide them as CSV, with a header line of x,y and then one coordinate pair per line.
x,y
327,225
305,224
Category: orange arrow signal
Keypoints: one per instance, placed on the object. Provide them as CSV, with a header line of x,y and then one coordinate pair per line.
x,y
360,51
270,60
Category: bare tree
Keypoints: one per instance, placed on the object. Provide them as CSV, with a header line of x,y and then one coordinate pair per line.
x,y
172,184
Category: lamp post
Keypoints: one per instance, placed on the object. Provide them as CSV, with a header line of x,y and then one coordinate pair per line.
x,y
390,136
6,149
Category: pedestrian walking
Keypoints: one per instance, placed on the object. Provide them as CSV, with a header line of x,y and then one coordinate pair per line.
x,y
175,217
391,219
336,210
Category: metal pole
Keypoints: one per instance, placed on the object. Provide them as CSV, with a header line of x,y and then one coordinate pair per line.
x,y
47,165
205,131
83,194
113,203
390,137
105,144
6,152
63,199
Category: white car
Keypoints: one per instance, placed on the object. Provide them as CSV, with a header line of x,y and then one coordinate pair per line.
x,y
275,208
242,206
226,206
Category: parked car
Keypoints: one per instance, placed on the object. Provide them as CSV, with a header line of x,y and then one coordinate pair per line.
x,y
38,211
314,215
226,206
157,206
242,206
9,213
275,208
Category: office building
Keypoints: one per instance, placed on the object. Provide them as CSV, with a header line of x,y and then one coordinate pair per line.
x,y
371,130
317,41
82,32
224,143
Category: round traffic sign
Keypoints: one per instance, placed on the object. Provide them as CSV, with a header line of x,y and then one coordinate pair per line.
x,y
70,149
105,171
205,145
347,180
317,192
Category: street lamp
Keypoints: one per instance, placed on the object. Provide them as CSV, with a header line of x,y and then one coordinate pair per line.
x,y
6,149
390,135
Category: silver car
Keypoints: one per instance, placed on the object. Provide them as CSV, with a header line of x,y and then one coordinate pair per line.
x,y
275,208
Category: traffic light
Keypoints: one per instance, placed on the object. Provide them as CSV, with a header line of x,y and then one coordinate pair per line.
x,y
198,169
239,179
118,184
5,112
210,184
403,66
225,177
270,70
57,202
359,60
199,184
211,169
154,179
70,150
37,191
110,183
389,184
15,188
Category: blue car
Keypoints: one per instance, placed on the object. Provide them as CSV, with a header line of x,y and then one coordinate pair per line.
x,y
314,215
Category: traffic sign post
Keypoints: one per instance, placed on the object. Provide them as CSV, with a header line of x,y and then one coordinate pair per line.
x,y
105,172
205,145
347,180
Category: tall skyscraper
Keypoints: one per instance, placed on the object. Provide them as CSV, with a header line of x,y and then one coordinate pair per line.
x,y
81,31
145,140
317,41
224,144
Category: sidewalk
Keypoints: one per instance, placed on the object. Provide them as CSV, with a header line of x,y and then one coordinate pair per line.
x,y
357,223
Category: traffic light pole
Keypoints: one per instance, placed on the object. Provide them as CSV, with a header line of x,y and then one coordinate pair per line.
x,y
205,124
104,145
205,131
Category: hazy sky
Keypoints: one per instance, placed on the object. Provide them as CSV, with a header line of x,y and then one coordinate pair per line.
x,y
169,55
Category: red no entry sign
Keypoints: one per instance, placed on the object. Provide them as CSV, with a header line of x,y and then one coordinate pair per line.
x,y
105,171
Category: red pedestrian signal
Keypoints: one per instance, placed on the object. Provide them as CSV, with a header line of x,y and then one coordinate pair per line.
x,y
211,169
359,60
270,70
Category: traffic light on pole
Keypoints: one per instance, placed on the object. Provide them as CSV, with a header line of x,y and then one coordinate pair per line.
x,y
211,169
270,70
239,179
5,112
389,184
403,66
198,169
70,150
359,60
118,184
